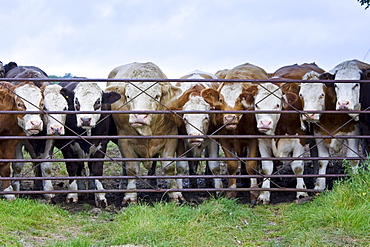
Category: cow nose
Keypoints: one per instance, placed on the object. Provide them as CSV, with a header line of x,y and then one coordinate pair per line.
x,y
36,125
86,121
141,118
56,130
265,124
343,105
229,118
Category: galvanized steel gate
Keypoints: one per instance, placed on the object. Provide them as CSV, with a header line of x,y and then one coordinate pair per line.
x,y
278,174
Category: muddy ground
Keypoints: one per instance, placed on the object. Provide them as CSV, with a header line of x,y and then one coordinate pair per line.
x,y
86,201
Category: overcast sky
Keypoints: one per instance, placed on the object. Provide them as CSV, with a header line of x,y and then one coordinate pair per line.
x,y
89,38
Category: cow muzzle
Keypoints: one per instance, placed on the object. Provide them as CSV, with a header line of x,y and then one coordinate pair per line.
x,y
139,120
195,141
265,125
343,105
55,130
231,122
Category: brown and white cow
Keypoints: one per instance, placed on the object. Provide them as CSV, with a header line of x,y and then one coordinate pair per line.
x,y
144,96
270,97
196,125
24,97
230,97
334,96
55,99
295,71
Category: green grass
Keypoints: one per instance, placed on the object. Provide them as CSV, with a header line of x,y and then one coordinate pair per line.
x,y
340,217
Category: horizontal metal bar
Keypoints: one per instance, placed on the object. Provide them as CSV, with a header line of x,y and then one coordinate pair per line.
x,y
187,112
180,80
185,137
181,159
171,177
154,190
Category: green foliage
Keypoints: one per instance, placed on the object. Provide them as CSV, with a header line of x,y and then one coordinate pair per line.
x,y
364,2
340,217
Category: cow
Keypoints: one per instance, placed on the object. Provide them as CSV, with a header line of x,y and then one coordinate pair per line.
x,y
295,71
9,66
2,70
230,97
144,96
87,96
23,97
221,74
334,96
55,99
270,97
196,125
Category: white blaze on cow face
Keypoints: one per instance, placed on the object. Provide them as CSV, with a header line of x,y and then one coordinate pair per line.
x,y
268,98
143,96
348,94
196,124
229,95
54,101
29,98
88,97
313,97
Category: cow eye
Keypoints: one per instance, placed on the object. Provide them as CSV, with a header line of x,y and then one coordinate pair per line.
x,y
322,95
355,86
157,97
97,105
277,106
77,105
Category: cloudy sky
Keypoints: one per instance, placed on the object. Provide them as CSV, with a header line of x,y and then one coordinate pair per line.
x,y
89,37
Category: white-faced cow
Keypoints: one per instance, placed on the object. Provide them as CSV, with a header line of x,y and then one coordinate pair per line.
x,y
54,99
87,96
144,96
196,125
334,96
23,97
269,97
230,97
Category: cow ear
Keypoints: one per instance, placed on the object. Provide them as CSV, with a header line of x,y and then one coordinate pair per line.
x,y
247,100
289,99
110,97
326,76
120,89
211,96
170,92
67,94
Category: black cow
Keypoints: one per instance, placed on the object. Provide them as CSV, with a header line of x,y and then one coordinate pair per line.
x,y
87,96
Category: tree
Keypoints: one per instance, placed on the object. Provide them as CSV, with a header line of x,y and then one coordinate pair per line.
x,y
364,2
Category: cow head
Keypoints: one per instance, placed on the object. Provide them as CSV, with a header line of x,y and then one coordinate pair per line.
x,y
146,96
228,97
28,97
196,124
56,99
347,94
312,96
268,98
88,96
